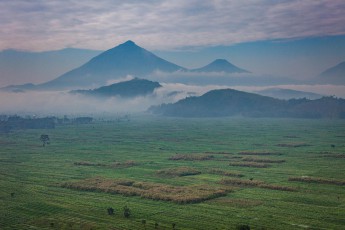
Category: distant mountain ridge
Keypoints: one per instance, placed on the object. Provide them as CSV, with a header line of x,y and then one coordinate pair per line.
x,y
127,59
333,75
288,94
126,89
120,61
220,65
229,102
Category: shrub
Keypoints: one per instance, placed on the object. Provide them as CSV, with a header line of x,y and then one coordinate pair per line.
x,y
110,211
127,212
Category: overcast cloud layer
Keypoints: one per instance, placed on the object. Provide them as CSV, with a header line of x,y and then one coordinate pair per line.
x,y
47,25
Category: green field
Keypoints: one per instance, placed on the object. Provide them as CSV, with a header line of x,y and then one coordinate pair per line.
x,y
194,173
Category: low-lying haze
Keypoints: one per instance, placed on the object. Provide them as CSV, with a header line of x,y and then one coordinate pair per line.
x,y
63,103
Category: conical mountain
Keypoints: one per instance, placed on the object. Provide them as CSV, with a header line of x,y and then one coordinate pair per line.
x,y
333,75
118,62
221,65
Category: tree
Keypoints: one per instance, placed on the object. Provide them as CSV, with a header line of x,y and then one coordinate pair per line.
x,y
45,139
126,212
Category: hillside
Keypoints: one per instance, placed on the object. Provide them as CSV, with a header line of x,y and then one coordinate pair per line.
x,y
133,88
118,62
288,94
220,65
229,102
333,75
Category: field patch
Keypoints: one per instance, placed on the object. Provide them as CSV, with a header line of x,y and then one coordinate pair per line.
x,y
125,164
264,153
178,172
318,180
224,173
219,153
293,144
149,190
249,164
255,183
191,157
262,160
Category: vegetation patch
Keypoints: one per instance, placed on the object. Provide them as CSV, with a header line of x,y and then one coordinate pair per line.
x,y
255,183
125,164
317,180
258,153
249,164
154,191
88,163
191,157
220,153
293,144
262,160
225,173
180,171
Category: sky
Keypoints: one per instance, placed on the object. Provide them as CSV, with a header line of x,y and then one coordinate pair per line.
x,y
293,38
40,25
190,33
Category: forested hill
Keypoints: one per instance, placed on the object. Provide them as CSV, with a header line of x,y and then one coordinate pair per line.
x,y
132,88
229,102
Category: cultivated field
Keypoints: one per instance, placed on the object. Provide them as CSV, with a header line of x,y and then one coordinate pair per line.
x,y
176,174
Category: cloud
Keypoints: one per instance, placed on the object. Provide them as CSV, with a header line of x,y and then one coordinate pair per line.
x,y
158,24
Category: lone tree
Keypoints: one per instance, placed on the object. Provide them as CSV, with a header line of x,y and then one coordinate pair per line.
x,y
126,212
45,139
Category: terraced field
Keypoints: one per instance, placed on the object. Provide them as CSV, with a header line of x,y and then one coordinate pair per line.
x,y
176,174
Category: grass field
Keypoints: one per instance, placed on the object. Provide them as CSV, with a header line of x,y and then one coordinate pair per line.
x,y
176,173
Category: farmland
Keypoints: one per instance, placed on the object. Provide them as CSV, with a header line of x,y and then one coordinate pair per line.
x,y
176,173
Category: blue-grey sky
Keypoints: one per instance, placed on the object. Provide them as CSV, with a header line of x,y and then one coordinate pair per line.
x,y
158,24
298,38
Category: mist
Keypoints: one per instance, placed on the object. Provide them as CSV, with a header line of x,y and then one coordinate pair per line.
x,y
59,103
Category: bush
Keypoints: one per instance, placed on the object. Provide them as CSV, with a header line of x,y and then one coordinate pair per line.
x,y
126,212
110,211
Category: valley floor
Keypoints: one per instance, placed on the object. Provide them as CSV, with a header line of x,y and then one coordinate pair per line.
x,y
176,174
